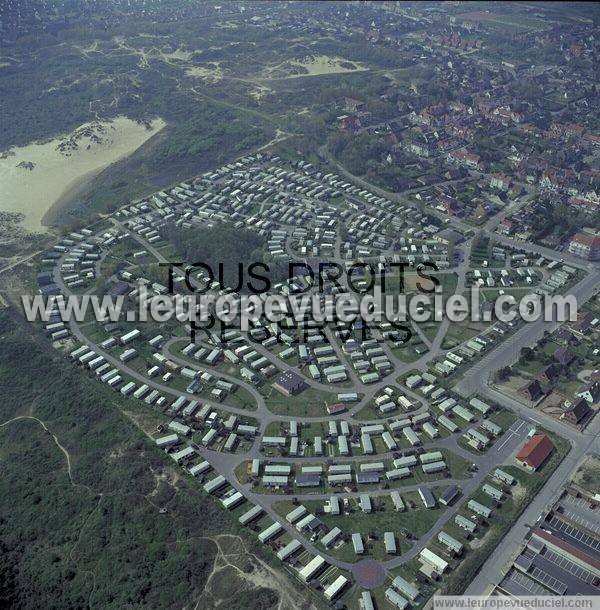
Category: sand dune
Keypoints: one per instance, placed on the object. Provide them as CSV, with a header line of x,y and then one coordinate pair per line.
x,y
313,66
34,177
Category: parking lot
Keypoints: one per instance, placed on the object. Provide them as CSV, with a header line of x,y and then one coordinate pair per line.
x,y
570,567
590,542
519,584
579,511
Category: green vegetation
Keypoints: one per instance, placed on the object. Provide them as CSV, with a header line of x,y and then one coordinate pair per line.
x,y
504,418
588,475
224,248
90,530
459,333
531,361
309,403
481,251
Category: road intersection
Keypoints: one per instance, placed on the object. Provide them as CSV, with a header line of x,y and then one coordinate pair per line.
x,y
475,381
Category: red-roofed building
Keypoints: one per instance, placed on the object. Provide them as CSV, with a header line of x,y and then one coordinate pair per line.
x,y
462,157
535,452
586,245
335,409
506,227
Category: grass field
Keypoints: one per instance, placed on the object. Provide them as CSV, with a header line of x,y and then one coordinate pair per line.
x,y
384,518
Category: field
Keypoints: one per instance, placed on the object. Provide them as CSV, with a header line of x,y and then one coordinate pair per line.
x,y
510,23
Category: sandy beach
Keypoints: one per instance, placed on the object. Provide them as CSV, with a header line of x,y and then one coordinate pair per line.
x,y
34,177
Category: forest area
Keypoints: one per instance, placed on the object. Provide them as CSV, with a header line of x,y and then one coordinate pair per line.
x,y
224,248
91,532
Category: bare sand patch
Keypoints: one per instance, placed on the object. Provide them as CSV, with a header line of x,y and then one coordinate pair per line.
x,y
210,73
180,54
588,474
279,136
93,47
479,542
34,177
518,493
312,66
260,91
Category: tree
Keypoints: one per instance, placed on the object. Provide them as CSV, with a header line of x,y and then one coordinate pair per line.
x,y
504,373
526,353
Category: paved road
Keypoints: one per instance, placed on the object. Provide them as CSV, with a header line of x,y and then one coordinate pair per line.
x,y
508,351
455,222
475,381
499,561
226,463
582,443
498,453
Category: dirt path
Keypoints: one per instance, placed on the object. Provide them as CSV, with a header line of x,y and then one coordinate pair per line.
x,y
20,260
263,576
280,136
65,452
74,484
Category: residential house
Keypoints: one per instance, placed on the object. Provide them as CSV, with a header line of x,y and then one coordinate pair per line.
x,y
585,245
576,413
532,390
354,105
349,122
549,373
462,157
590,393
506,227
500,182
564,356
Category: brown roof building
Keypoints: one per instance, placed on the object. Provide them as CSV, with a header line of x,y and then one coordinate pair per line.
x,y
577,413
532,390
338,407
535,452
585,245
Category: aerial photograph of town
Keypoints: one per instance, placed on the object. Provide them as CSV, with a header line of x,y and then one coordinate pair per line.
x,y
299,305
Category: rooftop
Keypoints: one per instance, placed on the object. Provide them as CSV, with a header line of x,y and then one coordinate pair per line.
x,y
535,451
